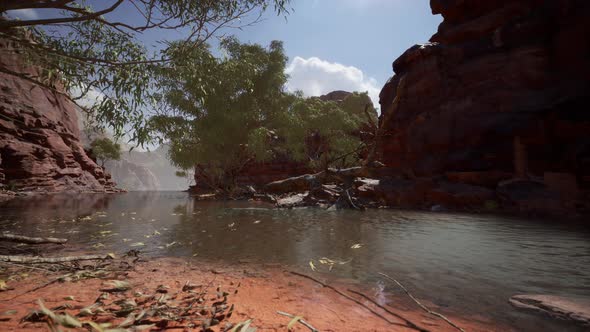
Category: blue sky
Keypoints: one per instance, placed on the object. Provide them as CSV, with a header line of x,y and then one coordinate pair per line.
x,y
365,34
331,44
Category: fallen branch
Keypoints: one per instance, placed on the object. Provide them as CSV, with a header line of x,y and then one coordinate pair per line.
x,y
420,304
37,259
347,297
32,240
349,199
409,322
306,324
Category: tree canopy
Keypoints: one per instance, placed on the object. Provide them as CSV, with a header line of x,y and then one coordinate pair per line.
x,y
98,56
105,149
221,113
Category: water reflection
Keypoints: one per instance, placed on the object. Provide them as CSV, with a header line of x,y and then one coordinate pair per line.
x,y
467,263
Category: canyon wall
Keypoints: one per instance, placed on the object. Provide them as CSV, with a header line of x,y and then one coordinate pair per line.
x,y
498,93
40,147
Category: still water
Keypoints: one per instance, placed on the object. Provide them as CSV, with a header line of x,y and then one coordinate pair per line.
x,y
465,264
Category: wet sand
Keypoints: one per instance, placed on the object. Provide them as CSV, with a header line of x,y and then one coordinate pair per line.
x,y
262,291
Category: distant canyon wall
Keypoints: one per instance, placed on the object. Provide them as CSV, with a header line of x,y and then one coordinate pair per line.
x,y
40,148
500,91
146,171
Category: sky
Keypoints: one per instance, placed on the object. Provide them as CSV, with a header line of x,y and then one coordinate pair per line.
x,y
331,44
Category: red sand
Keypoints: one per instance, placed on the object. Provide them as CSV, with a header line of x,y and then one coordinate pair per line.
x,y
262,291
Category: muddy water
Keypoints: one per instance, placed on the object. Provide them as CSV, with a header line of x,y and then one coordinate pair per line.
x,y
463,264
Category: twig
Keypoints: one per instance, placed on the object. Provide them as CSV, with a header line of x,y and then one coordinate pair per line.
x,y
309,326
409,322
349,199
27,266
37,259
347,297
32,240
420,304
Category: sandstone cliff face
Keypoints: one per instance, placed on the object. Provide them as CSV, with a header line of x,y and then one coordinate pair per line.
x,y
40,147
500,91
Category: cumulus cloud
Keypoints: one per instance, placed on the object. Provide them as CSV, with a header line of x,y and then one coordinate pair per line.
x,y
24,14
316,77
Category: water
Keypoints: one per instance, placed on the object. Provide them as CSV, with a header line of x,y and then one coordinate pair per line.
x,y
466,264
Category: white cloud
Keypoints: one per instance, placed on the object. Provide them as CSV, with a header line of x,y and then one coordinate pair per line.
x,y
24,14
316,77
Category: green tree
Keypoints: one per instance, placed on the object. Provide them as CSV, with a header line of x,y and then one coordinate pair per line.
x,y
94,53
105,149
217,109
324,133
221,113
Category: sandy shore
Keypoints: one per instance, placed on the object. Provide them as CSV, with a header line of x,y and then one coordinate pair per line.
x,y
257,293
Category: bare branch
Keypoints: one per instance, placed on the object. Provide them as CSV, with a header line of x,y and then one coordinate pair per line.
x,y
18,23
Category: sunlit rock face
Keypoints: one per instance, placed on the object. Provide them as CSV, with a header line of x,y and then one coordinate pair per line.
x,y
40,145
501,88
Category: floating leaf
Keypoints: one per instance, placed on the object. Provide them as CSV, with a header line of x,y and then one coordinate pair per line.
x,y
137,244
356,246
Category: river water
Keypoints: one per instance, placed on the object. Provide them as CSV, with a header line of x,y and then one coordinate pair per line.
x,y
465,264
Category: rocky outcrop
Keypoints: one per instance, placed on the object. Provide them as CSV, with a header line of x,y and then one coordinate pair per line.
x,y
40,147
499,92
574,310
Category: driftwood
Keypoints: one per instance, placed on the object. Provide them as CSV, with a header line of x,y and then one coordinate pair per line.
x,y
31,240
306,324
307,182
50,260
300,183
434,313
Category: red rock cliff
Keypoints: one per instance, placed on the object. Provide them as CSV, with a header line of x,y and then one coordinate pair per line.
x,y
40,147
501,87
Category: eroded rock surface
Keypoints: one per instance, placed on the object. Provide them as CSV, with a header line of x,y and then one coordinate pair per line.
x,y
499,90
576,310
40,145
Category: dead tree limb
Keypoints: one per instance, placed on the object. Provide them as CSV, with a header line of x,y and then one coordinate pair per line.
x,y
420,304
347,297
50,260
306,324
31,240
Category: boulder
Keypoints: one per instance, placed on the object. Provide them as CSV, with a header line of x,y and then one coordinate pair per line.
x,y
459,195
393,192
530,196
570,309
